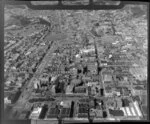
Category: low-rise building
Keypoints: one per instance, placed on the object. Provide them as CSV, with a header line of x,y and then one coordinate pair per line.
x,y
119,102
75,82
66,104
86,78
54,78
7,101
73,71
92,67
93,83
108,91
69,89
137,90
65,112
117,91
84,51
35,113
93,90
83,111
53,112
125,91
107,77
44,80
53,89
99,113
116,113
82,90
36,84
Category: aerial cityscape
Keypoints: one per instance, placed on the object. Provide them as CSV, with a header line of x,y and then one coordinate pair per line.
x,y
75,64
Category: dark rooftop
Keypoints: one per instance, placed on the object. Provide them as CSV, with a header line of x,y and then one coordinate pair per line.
x,y
65,112
53,113
125,102
116,112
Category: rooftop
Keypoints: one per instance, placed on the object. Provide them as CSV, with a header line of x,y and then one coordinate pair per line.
x,y
116,112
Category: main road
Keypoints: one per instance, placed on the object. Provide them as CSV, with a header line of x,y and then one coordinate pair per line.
x,y
97,57
55,38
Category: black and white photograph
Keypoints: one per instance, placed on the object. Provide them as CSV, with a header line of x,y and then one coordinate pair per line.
x,y
76,65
